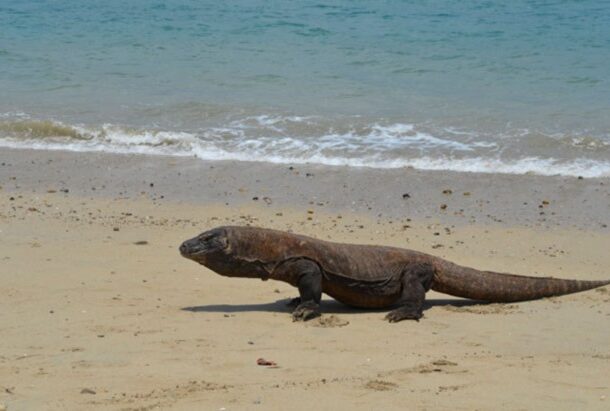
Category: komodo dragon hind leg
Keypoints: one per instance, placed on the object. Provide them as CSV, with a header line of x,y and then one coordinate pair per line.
x,y
310,290
416,280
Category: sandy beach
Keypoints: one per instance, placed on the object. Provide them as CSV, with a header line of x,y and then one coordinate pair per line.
x,y
99,311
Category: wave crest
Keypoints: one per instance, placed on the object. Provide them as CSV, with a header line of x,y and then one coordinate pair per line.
x,y
300,139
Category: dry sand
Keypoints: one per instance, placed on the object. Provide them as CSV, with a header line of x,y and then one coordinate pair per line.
x,y
99,311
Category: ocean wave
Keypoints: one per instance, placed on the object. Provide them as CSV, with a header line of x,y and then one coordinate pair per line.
x,y
36,129
309,139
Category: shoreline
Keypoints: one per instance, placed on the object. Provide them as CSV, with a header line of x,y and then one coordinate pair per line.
x,y
99,310
445,197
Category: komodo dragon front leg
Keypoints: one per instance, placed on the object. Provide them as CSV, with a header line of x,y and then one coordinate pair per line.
x,y
416,280
308,278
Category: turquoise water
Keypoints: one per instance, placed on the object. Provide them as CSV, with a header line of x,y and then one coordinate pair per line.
x,y
473,86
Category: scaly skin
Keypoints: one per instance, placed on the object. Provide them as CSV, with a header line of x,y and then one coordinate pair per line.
x,y
359,275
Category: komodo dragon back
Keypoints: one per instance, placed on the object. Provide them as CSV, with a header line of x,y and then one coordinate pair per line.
x,y
355,261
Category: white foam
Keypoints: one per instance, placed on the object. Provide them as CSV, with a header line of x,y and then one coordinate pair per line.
x,y
533,165
14,115
377,146
271,120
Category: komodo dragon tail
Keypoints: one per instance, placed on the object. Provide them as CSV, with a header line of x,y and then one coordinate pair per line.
x,y
467,282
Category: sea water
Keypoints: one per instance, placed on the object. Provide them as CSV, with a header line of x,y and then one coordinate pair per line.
x,y
482,86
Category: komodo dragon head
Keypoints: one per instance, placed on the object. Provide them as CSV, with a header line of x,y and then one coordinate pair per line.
x,y
205,244
222,250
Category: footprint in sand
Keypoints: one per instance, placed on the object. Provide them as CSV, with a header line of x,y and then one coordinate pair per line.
x,y
328,321
484,309
380,385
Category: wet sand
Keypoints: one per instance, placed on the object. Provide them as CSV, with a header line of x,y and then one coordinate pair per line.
x,y
99,311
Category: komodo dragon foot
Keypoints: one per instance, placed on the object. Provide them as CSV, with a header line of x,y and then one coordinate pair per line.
x,y
404,313
306,311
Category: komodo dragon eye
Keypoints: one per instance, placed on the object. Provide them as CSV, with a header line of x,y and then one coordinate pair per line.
x,y
215,239
210,236
206,237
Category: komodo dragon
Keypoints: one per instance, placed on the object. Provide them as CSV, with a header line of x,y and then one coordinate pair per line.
x,y
365,276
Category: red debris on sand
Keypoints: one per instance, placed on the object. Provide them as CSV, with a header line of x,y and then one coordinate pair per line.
x,y
262,361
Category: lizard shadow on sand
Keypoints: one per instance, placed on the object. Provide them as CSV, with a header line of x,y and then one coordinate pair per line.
x,y
327,306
